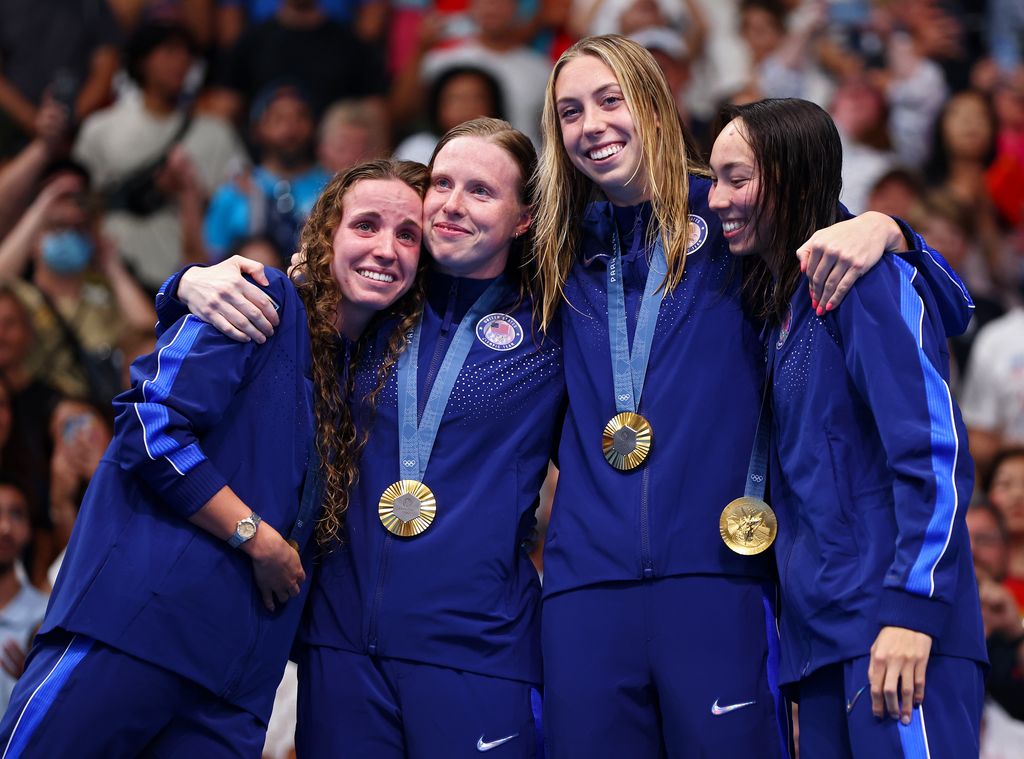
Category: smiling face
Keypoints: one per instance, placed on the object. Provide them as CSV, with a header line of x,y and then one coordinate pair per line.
x,y
598,130
735,189
376,248
473,210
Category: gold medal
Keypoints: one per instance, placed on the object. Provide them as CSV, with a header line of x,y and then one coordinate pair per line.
x,y
407,508
627,440
295,545
748,526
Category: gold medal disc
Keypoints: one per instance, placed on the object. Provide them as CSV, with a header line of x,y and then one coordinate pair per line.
x,y
748,526
407,508
627,440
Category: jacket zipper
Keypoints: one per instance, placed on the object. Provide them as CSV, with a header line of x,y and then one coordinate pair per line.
x,y
647,563
378,597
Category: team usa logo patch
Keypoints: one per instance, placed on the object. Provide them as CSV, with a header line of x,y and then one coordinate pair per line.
x,y
787,325
696,233
499,332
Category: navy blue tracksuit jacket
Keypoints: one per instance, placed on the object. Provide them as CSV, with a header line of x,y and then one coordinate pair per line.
x,y
871,477
204,411
463,594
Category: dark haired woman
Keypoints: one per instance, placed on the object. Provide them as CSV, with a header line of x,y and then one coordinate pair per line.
x,y
422,636
174,611
870,475
458,95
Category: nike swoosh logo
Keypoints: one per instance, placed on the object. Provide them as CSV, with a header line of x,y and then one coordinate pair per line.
x,y
852,701
718,711
482,745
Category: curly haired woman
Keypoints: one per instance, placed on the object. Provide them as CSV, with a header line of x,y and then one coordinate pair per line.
x,y
175,609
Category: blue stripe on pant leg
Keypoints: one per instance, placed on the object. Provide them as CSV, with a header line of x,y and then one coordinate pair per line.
x,y
42,698
537,705
913,737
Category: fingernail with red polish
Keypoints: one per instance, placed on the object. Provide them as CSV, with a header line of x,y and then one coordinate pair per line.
x,y
829,307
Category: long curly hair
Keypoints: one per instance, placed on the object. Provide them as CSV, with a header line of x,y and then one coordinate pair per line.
x,y
337,441
564,191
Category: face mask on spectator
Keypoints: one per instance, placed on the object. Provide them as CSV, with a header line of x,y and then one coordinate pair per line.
x,y
67,252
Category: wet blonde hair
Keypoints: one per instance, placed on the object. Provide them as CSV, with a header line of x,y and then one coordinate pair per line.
x,y
336,439
563,191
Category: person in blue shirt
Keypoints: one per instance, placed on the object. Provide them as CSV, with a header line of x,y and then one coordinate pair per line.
x,y
870,476
276,196
656,635
179,596
422,633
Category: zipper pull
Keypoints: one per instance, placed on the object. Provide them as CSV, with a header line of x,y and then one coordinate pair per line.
x,y
449,314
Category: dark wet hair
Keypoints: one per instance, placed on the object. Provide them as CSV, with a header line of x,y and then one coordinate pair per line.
x,y
798,159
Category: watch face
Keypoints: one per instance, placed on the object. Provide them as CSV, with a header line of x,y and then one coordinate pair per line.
x,y
246,529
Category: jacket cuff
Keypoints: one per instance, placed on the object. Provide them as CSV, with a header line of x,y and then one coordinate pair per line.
x,y
192,491
901,609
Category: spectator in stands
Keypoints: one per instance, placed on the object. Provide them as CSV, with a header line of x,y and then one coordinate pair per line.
x,y
993,395
627,17
495,48
20,176
352,132
235,16
762,28
154,161
1001,605
195,15
990,546
459,94
949,226
1005,178
21,606
300,43
898,192
65,47
276,196
963,149
257,248
1004,488
81,298
26,451
861,115
80,438
673,56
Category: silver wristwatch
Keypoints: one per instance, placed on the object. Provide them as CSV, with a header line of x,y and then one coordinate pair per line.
x,y
245,530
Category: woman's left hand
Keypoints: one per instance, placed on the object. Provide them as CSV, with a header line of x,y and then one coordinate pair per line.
x,y
835,257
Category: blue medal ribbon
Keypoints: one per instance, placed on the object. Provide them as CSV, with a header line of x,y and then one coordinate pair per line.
x,y
416,439
757,470
629,368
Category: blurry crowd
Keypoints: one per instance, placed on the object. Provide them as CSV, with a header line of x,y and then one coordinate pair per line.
x,y
139,136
